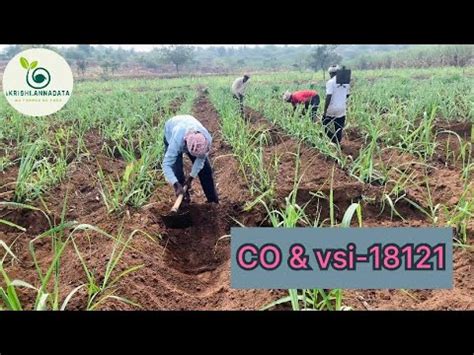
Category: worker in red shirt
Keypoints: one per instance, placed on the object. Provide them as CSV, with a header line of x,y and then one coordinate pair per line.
x,y
304,97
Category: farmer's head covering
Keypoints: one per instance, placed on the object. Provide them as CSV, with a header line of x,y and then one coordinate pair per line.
x,y
197,144
333,69
286,96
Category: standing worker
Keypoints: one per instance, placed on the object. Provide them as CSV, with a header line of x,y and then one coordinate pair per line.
x,y
306,97
185,134
238,90
335,106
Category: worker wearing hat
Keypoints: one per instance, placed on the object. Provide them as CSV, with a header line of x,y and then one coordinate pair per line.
x,y
303,97
185,134
335,106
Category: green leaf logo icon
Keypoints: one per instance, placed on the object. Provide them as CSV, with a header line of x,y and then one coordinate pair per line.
x,y
24,63
33,64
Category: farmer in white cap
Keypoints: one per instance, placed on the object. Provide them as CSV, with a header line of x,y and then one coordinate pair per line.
x,y
238,90
335,106
185,134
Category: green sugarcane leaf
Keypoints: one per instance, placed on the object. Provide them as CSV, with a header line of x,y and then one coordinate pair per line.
x,y
346,220
42,302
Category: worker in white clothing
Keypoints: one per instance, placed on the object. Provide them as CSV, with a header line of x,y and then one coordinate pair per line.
x,y
238,90
335,106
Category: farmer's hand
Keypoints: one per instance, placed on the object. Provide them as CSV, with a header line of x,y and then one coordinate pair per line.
x,y
178,188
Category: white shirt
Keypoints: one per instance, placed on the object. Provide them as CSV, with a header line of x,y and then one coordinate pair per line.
x,y
238,87
337,106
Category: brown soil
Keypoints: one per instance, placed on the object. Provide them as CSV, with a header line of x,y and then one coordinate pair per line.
x,y
7,182
445,183
462,128
352,142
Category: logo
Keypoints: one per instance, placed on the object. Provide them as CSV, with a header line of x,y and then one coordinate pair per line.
x,y
35,79
37,82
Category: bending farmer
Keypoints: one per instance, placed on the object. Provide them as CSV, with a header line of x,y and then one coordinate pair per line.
x,y
306,97
238,90
335,106
185,134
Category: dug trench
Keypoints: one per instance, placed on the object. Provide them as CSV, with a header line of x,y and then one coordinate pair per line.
x,y
199,256
181,269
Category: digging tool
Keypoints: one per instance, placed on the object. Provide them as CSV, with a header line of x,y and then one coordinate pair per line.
x,y
177,218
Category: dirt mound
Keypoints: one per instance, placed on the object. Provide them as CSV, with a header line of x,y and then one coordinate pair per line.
x,y
445,183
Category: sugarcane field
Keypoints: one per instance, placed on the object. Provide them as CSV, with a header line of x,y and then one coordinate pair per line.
x,y
100,209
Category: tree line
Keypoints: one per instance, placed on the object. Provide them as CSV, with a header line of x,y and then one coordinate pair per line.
x,y
422,56
247,58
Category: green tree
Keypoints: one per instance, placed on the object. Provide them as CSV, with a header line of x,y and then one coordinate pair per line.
x,y
105,65
87,49
221,51
114,65
178,55
82,65
322,57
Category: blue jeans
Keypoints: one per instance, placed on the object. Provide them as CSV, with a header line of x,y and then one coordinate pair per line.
x,y
205,175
